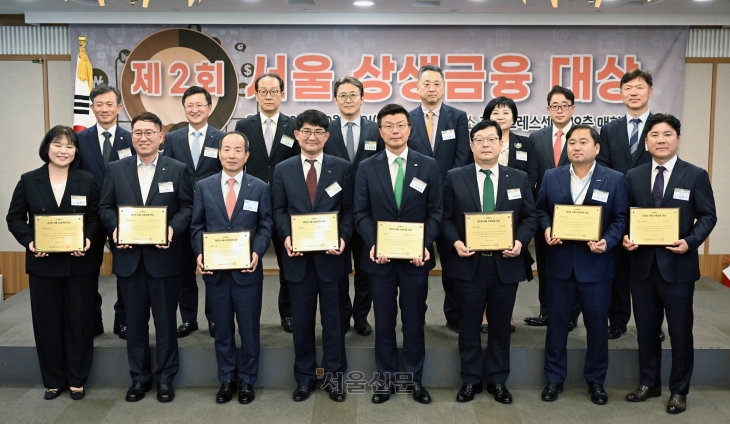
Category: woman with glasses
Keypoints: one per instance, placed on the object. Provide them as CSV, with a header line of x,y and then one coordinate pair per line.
x,y
62,284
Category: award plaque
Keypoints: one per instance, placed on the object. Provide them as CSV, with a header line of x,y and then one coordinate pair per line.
x,y
400,240
577,222
226,250
59,233
314,232
654,226
489,231
142,225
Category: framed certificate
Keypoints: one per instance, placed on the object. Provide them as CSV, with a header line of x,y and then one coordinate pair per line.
x,y
654,226
226,250
489,230
400,240
59,233
577,222
142,225
315,232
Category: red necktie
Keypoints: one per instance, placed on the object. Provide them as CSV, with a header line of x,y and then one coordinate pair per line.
x,y
558,147
231,198
311,180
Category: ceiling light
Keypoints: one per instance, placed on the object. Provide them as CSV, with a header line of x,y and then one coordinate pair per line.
x,y
363,3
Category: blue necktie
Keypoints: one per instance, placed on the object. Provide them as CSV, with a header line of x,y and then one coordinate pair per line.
x,y
196,148
634,139
657,191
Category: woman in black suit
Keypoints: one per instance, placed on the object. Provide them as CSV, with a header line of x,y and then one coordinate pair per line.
x,y
62,285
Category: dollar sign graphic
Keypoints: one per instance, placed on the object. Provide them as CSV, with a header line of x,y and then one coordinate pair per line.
x,y
350,48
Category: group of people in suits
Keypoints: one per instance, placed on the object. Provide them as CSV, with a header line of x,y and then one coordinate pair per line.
x,y
423,166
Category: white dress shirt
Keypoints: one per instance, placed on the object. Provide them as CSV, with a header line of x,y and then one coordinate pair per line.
x,y
564,138
201,139
355,131
274,123
393,166
112,131
317,165
579,186
236,186
146,173
434,120
669,167
481,177
629,126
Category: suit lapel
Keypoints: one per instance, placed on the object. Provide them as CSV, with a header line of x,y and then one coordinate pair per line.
x,y
325,178
43,185
364,131
511,150
597,180
411,171
444,118
337,139
218,192
160,172
133,178
72,186
677,175
92,139
297,176
243,192
623,137
258,142
186,149
281,127
470,179
503,182
418,125
641,147
382,169
564,182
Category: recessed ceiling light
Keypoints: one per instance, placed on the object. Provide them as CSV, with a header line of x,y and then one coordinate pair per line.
x,y
363,3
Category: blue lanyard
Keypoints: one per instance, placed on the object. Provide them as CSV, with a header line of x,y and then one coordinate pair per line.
x,y
585,186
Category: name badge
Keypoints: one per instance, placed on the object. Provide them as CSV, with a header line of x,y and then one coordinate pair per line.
x,y
287,141
124,153
448,135
78,200
371,145
250,205
333,189
681,194
418,185
514,193
601,196
521,155
210,152
166,187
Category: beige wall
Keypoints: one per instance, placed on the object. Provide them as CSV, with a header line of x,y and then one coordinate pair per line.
x,y
720,238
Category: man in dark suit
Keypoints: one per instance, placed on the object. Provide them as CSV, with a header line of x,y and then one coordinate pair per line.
x,y
100,144
149,275
232,200
271,136
195,145
580,269
315,182
486,277
551,152
387,189
663,277
353,138
623,147
441,132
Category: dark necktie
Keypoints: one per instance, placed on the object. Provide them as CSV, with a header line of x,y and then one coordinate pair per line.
x,y
311,180
107,151
487,192
634,139
658,191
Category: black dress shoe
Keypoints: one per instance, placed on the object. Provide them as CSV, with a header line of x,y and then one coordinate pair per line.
x,y
598,395
165,392
538,321
643,393
77,394
381,393
500,392
467,392
452,326
571,326
287,324
662,337
614,331
334,394
137,391
211,329
677,404
551,391
186,328
121,330
420,394
484,328
226,392
52,393
246,394
98,329
301,393
363,328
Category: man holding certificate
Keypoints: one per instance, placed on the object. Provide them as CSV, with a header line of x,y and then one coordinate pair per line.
x,y
668,224
398,196
146,203
312,202
232,226
486,259
583,209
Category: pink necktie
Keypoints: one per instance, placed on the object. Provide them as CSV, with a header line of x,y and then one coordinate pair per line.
x,y
558,147
231,198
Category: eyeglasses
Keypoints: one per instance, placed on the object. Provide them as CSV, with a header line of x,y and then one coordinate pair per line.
x,y
264,93
148,133
561,107
389,127
317,134
492,141
196,106
352,96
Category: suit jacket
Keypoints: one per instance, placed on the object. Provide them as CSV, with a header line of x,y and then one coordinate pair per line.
x,y
461,194
697,219
259,163
335,145
375,201
575,256
449,154
33,195
290,196
528,166
210,214
543,144
121,188
178,148
92,160
615,150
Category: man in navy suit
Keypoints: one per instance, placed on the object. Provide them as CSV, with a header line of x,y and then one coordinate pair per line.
x,y
440,132
100,144
271,136
623,147
663,277
580,269
232,200
486,277
398,184
148,275
353,138
195,145
315,182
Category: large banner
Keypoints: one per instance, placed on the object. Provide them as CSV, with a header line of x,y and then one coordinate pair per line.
x,y
153,65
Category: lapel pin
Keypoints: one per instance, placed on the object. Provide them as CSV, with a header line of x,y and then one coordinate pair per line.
x,y
163,169
329,171
415,164
518,145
